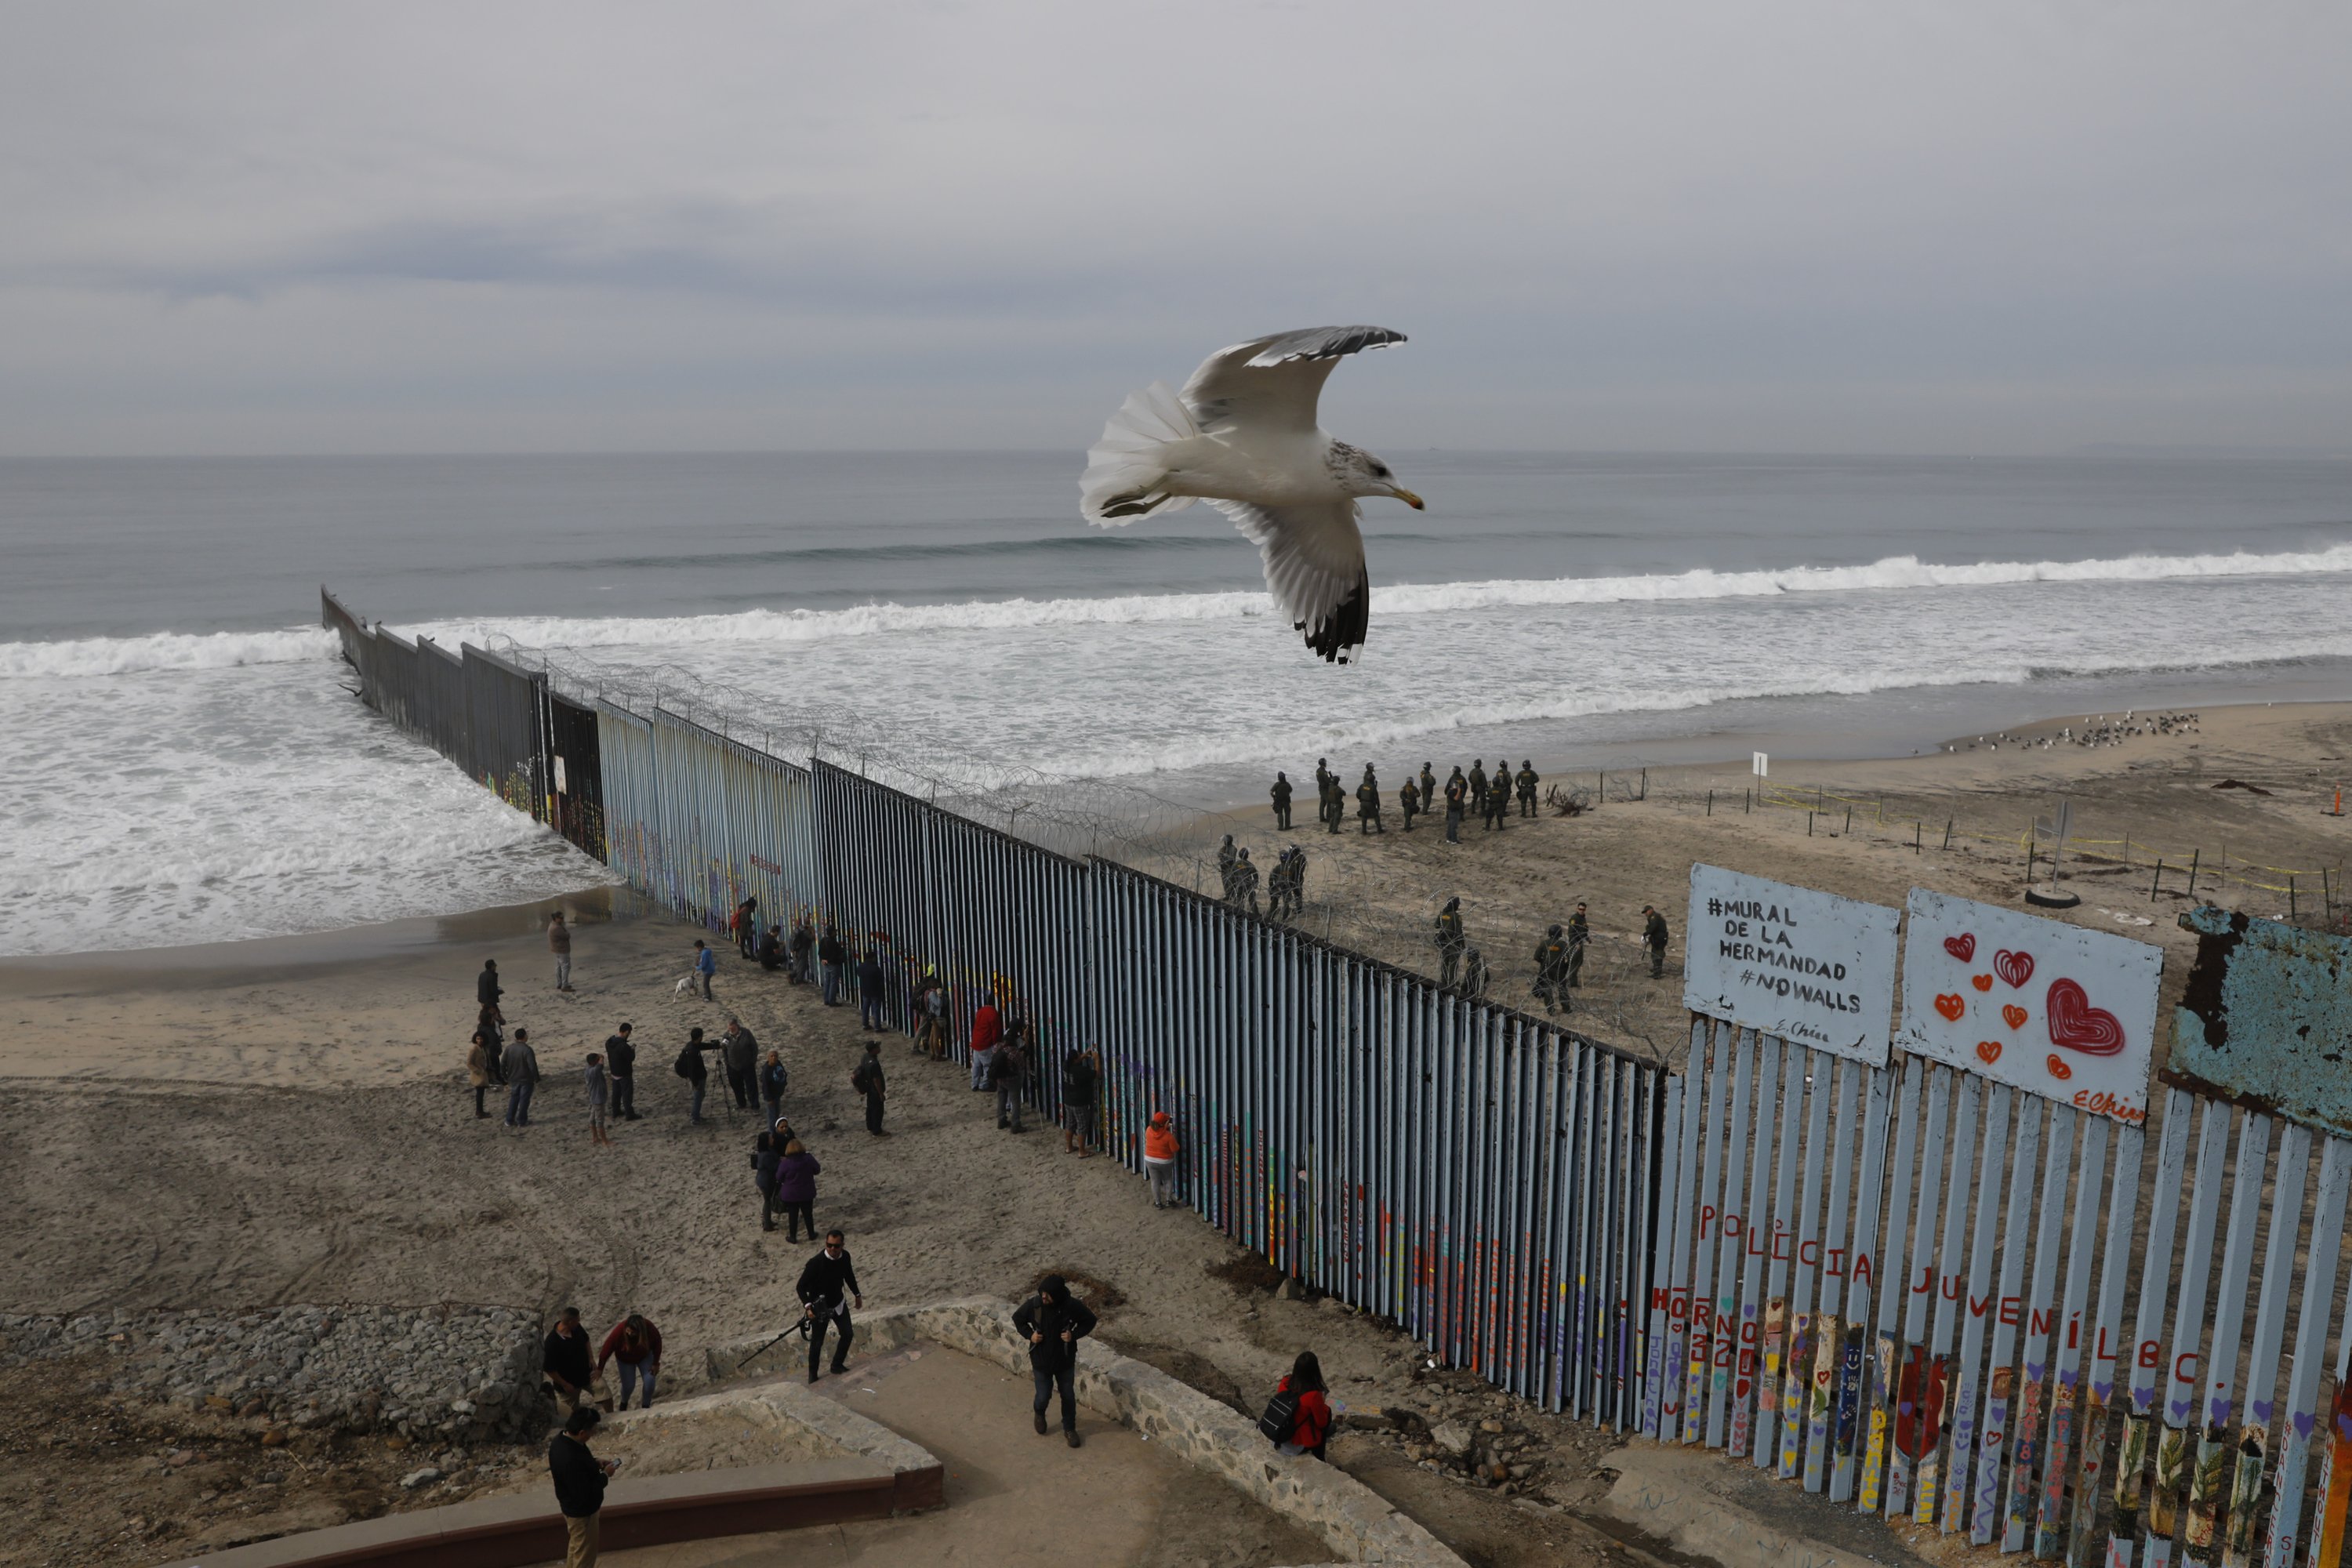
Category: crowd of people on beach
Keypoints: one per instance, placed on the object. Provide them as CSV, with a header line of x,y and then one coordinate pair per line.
x,y
1474,794
1001,1048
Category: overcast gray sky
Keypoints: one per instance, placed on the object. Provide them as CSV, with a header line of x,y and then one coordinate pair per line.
x,y
1866,227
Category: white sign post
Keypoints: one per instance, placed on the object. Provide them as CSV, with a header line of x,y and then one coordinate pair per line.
x,y
2058,1011
1762,764
1813,968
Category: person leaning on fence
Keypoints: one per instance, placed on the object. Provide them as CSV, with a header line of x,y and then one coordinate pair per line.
x,y
804,950
1160,1152
828,1284
635,1345
563,1358
580,1477
1081,1083
1054,1322
987,1028
830,957
478,1058
706,964
744,925
621,1062
559,943
931,1011
871,1011
1298,1418
1655,937
1008,1069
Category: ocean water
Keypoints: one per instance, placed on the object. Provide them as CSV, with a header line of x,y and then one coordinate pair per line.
x,y
184,763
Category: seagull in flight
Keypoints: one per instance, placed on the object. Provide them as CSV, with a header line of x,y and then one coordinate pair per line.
x,y
1242,436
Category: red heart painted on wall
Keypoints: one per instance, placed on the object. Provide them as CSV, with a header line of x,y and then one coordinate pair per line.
x,y
2013,1014
1981,982
1987,1052
2058,1068
2079,1026
1951,1006
2017,968
1962,947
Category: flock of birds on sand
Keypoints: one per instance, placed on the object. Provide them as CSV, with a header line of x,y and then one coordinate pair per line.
x,y
2102,731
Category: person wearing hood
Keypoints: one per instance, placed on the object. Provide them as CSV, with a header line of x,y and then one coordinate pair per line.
x,y
1160,1152
1054,1322
796,1174
987,1028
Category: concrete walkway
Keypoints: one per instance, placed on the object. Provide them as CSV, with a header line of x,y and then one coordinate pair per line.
x,y
1011,1496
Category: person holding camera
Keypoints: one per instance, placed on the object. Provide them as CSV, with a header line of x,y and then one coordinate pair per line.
x,y
1054,1322
825,1282
580,1477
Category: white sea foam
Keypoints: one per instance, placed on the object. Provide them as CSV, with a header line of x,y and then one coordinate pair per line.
x,y
1894,573
162,650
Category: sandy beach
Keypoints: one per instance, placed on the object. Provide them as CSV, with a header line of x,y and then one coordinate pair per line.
x,y
286,1122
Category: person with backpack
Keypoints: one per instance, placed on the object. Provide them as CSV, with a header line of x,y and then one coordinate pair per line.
x,y
690,1067
1008,1069
773,1078
1297,1419
867,1080
1160,1150
1054,1322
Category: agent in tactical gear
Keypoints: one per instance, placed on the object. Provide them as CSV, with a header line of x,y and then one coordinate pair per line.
x,y
1449,940
1281,793
1528,781
1551,970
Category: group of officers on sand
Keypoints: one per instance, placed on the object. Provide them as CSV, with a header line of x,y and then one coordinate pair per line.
x,y
1463,969
1490,799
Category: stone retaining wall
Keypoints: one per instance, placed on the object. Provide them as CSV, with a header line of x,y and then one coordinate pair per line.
x,y
1352,1519
446,1372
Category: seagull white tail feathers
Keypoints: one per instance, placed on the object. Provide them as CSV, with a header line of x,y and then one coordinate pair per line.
x,y
1126,468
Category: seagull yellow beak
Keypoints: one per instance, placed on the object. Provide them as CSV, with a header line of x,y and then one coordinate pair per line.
x,y
1406,496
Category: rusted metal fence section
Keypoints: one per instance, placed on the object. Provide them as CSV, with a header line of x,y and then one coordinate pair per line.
x,y
1957,1296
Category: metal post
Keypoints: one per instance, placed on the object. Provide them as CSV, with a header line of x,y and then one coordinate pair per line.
x,y
2193,855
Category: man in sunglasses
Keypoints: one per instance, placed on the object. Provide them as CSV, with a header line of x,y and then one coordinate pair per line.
x,y
828,1278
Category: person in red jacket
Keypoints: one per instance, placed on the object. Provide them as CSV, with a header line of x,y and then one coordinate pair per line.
x,y
637,1344
1160,1150
987,1028
1312,1427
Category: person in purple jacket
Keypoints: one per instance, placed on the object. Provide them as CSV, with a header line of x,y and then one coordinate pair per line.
x,y
796,1174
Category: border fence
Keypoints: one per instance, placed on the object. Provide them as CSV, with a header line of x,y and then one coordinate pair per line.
x,y
1482,1177
1946,1284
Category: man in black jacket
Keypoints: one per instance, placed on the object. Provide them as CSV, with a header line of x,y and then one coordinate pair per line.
x,y
827,1279
580,1478
568,1362
487,989
1054,1322
621,1062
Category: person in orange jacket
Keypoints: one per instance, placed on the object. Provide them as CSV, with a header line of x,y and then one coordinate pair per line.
x,y
1160,1150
